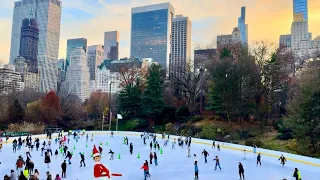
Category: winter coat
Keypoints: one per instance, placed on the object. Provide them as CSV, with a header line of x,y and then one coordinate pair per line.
x,y
145,167
36,175
241,168
26,173
205,153
196,168
49,177
47,159
64,166
22,177
20,163
57,178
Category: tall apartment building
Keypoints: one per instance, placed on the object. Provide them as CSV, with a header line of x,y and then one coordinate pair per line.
x,y
47,14
78,76
72,44
151,32
285,41
61,73
95,58
180,45
239,34
300,7
111,45
10,81
29,43
107,80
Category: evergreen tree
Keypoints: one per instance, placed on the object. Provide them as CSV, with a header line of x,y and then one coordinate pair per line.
x,y
16,112
152,100
130,100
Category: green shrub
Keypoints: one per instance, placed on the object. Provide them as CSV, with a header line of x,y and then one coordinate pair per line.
x,y
182,113
168,114
208,132
251,142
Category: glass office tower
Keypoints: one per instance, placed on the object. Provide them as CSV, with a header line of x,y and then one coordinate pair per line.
x,y
151,31
243,27
72,44
301,6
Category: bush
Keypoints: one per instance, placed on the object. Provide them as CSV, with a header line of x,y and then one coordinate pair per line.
x,y
251,142
134,125
32,128
182,113
285,136
208,132
168,114
169,126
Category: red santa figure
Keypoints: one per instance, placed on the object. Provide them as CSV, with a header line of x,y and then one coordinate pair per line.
x,y
100,171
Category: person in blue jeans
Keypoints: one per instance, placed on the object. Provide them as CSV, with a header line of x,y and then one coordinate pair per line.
x,y
196,171
217,163
205,153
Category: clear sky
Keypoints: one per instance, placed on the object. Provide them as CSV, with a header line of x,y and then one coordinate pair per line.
x,y
89,19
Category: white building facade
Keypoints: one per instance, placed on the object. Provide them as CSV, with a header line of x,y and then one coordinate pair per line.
x,y
48,17
111,45
180,44
78,77
10,81
107,81
95,58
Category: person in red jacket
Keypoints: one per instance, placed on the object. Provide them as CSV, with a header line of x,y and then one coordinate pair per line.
x,y
145,170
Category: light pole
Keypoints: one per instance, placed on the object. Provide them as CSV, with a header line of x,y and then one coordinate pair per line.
x,y
110,105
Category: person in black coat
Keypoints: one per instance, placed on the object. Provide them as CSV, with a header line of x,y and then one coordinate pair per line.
x,y
64,169
131,148
22,177
259,159
47,159
82,160
241,171
205,153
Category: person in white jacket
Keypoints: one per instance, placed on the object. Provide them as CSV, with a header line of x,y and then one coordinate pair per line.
x,y
189,151
27,152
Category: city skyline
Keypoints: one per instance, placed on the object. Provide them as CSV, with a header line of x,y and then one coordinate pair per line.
x,y
209,20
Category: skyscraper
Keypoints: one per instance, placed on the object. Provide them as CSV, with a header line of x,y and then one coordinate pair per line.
x,y
301,7
243,27
72,44
95,58
151,32
47,14
180,45
111,45
29,43
77,77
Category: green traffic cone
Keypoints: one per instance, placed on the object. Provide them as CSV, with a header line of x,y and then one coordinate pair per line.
x,y
138,155
72,152
74,147
86,144
119,156
91,155
161,152
107,143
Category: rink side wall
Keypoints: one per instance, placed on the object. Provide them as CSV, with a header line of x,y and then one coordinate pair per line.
x,y
236,147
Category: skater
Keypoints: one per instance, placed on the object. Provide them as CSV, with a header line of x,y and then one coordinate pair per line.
x,y
244,154
14,146
297,174
127,140
205,153
173,143
30,166
22,177
189,151
48,148
65,148
47,159
196,171
145,169
1,147
19,165
150,145
217,163
37,145
144,141
100,149
131,148
87,137
148,173
13,175
112,154
57,177
259,159
241,171
158,146
91,137
283,160
36,174
49,176
214,144
82,160
218,146
151,156
26,172
56,153
69,156
42,149
64,169
254,148
155,159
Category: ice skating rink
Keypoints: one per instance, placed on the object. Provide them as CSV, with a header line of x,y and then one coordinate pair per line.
x,y
173,164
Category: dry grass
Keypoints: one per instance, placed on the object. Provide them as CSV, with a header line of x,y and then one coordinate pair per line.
x,y
33,128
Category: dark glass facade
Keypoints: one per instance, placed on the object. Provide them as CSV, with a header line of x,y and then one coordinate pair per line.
x,y
149,34
72,44
29,43
301,6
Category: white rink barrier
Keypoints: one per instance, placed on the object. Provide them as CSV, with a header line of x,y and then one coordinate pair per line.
x,y
237,147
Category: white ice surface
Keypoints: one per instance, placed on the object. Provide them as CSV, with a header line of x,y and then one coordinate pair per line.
x,y
172,164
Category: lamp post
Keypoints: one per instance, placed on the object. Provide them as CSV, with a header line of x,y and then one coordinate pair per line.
x,y
110,105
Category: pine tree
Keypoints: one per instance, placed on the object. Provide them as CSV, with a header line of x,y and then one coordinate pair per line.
x,y
130,100
152,100
16,112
